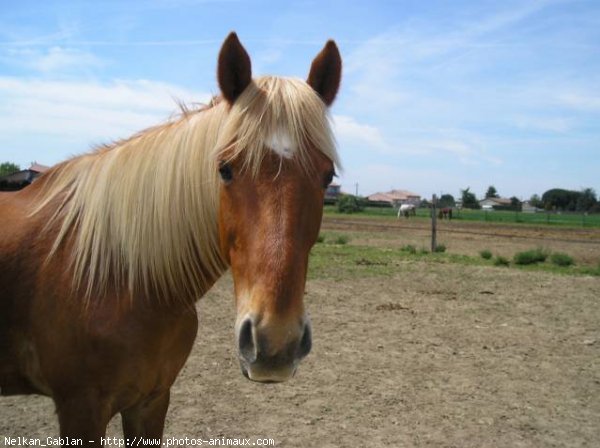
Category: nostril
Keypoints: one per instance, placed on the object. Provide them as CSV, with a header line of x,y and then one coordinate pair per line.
x,y
246,342
305,342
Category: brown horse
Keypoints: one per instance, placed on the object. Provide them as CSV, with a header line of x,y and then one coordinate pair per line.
x,y
103,258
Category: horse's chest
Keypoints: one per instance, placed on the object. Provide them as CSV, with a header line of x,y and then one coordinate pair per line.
x,y
147,351
21,372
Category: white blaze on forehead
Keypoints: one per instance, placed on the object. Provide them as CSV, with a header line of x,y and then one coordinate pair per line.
x,y
281,143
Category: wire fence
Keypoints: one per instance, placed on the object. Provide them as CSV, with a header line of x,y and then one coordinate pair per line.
x,y
571,219
550,218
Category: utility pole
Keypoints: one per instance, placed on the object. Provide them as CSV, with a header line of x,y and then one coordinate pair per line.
x,y
356,185
433,223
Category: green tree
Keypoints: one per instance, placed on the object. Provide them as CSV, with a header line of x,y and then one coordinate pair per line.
x,y
469,200
491,192
560,199
7,168
446,200
515,204
349,204
536,201
586,200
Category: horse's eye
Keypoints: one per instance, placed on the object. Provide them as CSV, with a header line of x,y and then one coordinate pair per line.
x,y
226,172
328,178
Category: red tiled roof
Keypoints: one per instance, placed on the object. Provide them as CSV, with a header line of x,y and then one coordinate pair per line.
x,y
394,195
38,168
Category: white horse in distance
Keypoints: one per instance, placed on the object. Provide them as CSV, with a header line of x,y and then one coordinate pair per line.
x,y
406,210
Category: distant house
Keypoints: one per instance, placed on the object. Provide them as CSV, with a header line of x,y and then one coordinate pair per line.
x,y
396,198
491,203
528,208
333,191
21,179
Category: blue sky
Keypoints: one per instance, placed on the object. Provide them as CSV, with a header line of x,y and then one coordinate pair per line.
x,y
436,95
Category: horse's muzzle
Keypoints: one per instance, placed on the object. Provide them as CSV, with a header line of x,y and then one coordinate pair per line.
x,y
269,356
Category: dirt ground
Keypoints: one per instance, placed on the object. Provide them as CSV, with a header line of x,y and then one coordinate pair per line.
x,y
438,355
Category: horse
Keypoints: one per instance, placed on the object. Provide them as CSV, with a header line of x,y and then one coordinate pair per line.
x,y
445,213
406,210
103,258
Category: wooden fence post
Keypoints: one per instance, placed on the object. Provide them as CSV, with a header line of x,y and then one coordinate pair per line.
x,y
433,223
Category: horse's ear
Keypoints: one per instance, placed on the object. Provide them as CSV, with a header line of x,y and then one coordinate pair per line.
x,y
234,71
326,72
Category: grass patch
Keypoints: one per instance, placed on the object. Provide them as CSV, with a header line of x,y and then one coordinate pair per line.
x,y
440,248
532,256
342,262
485,254
341,239
409,248
561,259
501,261
333,238
590,270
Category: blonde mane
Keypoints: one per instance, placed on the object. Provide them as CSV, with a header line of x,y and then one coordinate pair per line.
x,y
142,213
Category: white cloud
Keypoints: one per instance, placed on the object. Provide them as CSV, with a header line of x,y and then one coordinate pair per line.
x,y
580,101
53,60
58,59
466,148
349,132
118,94
460,148
384,68
82,113
552,124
